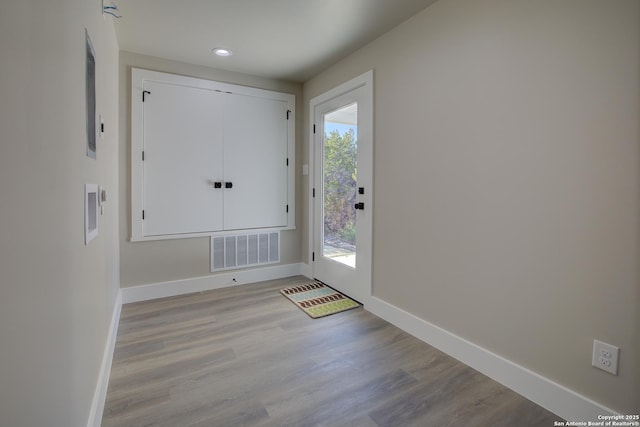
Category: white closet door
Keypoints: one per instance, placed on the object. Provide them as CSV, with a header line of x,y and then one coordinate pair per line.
x,y
255,151
183,142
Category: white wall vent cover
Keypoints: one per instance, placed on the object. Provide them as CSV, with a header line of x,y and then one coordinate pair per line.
x,y
244,250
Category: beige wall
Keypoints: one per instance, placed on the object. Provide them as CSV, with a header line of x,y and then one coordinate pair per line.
x,y
56,294
506,201
168,260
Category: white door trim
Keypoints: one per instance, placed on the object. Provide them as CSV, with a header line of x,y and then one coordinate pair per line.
x,y
364,179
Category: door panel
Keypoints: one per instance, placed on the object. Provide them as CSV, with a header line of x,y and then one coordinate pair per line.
x,y
343,164
255,158
182,141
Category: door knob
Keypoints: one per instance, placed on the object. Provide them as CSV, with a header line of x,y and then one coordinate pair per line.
x,y
359,205
228,185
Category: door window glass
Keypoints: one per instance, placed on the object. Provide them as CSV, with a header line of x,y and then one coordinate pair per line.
x,y
339,184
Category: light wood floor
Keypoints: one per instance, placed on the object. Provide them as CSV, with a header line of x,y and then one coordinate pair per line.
x,y
246,356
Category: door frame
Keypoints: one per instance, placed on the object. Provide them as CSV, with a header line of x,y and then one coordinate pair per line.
x,y
365,177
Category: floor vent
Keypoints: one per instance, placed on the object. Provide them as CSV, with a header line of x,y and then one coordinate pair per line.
x,y
244,250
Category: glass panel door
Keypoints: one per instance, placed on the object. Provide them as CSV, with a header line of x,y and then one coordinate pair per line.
x,y
342,187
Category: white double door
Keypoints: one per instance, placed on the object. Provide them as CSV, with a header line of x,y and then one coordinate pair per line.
x,y
212,161
342,187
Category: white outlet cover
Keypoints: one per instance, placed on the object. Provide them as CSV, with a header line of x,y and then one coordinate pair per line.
x,y
605,357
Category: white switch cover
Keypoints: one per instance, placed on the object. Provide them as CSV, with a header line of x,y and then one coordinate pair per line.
x,y
605,357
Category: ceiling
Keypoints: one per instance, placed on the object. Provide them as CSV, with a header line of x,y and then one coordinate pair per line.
x,y
281,39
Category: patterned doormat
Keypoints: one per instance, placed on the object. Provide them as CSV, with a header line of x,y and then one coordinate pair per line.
x,y
318,300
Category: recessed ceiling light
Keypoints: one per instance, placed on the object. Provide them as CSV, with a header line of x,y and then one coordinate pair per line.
x,y
221,51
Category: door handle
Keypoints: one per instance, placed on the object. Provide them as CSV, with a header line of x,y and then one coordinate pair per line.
x,y
359,205
215,184
228,185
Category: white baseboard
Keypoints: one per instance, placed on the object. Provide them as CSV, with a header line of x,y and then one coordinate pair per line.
x,y
100,394
544,392
207,283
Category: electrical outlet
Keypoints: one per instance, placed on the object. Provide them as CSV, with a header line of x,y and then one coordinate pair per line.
x,y
605,357
605,353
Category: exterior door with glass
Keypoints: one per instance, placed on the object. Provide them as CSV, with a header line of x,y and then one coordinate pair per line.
x,y
343,143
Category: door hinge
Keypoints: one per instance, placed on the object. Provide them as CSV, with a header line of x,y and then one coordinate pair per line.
x,y
143,156
145,92
288,112
287,208
143,214
313,256
314,129
287,161
314,192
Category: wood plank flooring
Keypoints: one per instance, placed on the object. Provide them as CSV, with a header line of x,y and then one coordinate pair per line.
x,y
246,356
